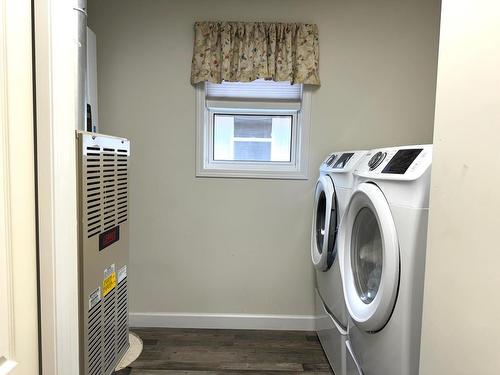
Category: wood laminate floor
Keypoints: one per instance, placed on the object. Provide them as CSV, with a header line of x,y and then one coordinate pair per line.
x,y
224,352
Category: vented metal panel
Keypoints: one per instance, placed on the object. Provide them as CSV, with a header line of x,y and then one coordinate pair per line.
x,y
106,188
103,250
122,315
109,330
94,350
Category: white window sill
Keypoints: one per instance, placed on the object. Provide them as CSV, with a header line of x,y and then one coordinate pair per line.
x,y
251,173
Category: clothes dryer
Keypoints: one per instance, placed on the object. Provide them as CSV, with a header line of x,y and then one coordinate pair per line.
x,y
382,244
331,196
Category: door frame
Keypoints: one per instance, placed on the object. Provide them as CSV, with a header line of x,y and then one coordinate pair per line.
x,y
56,56
18,251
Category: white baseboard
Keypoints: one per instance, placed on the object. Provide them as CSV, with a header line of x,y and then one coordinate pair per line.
x,y
223,321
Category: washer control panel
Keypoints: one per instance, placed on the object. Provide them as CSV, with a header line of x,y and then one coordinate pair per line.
x,y
402,160
406,162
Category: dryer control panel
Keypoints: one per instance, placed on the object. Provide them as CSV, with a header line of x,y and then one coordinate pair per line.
x,y
339,162
396,163
330,160
343,160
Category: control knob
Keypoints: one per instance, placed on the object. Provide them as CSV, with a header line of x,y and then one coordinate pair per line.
x,y
376,159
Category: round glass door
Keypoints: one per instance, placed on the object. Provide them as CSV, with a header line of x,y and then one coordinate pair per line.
x,y
367,255
369,249
324,226
320,221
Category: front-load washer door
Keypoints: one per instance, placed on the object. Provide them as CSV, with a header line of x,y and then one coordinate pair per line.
x,y
324,227
369,249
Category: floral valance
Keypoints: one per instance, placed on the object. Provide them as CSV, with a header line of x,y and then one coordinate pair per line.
x,y
246,51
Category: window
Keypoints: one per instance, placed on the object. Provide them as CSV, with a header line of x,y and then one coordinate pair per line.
x,y
257,130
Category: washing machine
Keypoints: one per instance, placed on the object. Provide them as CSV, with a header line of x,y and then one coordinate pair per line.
x,y
331,196
382,244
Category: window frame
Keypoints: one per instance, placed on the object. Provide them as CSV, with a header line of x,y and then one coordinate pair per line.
x,y
296,169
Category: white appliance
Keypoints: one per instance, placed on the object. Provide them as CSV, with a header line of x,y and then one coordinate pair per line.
x,y
382,243
331,196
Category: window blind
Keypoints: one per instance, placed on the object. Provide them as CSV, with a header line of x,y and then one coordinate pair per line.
x,y
257,90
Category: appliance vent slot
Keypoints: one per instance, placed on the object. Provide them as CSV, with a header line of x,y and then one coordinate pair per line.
x,y
122,316
106,188
109,330
122,185
92,187
94,337
109,184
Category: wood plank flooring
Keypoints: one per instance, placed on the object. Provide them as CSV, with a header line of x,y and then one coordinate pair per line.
x,y
225,352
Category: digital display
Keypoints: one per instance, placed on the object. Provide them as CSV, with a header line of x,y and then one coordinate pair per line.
x,y
109,237
343,160
330,160
400,162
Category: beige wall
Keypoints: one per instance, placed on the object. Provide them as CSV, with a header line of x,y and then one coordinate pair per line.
x,y
242,246
461,333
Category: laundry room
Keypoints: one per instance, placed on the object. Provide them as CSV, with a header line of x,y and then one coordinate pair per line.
x,y
262,187
229,250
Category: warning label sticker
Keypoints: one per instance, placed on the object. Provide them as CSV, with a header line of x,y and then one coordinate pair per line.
x,y
94,298
109,282
122,274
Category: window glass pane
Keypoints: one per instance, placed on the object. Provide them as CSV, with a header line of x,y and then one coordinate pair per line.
x,y
252,137
258,151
